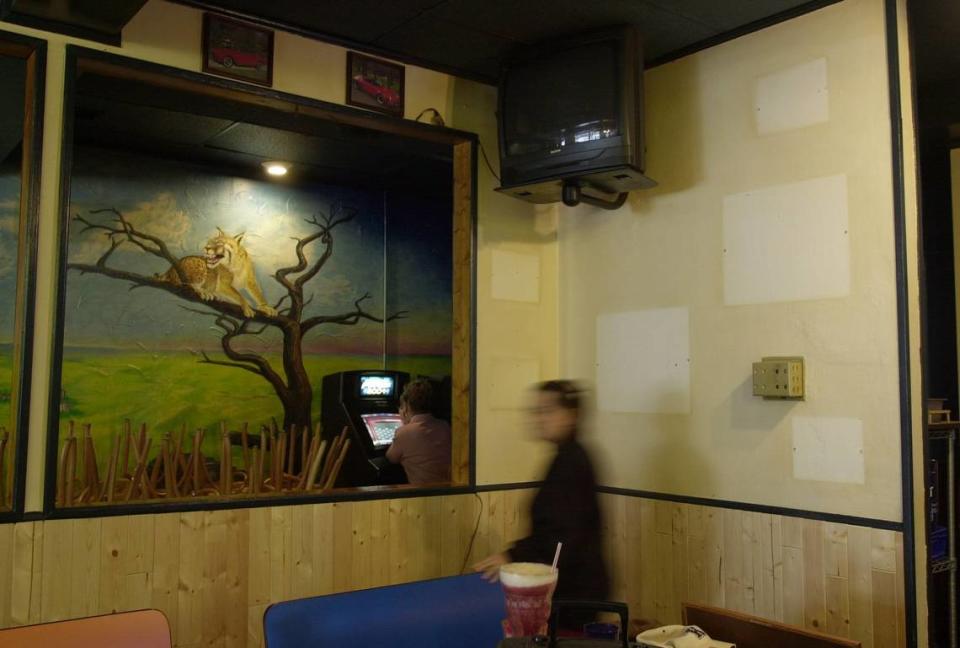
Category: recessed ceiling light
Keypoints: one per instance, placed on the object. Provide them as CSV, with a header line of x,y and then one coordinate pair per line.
x,y
275,168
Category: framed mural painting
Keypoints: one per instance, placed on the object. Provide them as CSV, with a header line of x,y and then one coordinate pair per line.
x,y
21,109
237,50
201,305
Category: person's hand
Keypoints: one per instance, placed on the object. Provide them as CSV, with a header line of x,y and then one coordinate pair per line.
x,y
490,566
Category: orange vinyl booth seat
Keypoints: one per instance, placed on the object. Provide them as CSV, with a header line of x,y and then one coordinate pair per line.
x,y
140,629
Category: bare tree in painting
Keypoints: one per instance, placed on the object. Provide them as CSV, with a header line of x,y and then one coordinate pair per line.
x,y
236,320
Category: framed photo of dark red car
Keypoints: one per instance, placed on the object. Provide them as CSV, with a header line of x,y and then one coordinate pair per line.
x,y
374,84
237,50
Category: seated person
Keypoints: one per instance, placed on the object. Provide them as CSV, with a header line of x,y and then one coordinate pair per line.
x,y
422,444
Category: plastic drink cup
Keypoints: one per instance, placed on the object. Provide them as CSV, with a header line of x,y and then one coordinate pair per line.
x,y
528,590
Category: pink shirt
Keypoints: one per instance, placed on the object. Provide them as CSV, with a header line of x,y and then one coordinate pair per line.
x,y
422,447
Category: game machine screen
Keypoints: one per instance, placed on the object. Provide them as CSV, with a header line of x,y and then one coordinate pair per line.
x,y
381,428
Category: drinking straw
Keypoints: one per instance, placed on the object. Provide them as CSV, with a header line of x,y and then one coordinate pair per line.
x,y
556,556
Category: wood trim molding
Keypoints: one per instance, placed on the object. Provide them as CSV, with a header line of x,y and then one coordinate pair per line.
x,y
238,92
463,311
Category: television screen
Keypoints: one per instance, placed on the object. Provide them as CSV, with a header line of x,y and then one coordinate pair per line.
x,y
570,97
381,428
377,386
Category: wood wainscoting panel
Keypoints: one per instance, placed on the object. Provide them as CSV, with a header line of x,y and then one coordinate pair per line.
x,y
214,573
834,578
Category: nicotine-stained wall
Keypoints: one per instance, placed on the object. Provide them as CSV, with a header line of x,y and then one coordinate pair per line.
x,y
509,331
770,234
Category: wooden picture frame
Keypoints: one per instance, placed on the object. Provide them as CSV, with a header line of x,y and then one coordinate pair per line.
x,y
64,450
375,84
13,445
237,50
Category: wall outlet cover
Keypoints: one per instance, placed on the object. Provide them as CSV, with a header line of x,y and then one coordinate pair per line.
x,y
779,377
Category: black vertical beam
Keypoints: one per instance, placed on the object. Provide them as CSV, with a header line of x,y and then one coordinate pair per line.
x,y
903,323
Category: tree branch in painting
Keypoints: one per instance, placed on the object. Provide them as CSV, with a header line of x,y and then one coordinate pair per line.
x,y
224,283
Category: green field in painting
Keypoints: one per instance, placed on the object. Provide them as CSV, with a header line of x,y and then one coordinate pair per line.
x,y
168,390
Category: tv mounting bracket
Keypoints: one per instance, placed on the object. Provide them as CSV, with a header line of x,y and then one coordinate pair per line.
x,y
573,195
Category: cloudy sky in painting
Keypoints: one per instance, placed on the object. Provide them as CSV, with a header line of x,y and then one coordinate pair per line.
x,y
185,205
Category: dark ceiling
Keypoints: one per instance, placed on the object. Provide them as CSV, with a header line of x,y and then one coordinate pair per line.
x,y
935,28
472,37
100,20
466,37
234,139
935,32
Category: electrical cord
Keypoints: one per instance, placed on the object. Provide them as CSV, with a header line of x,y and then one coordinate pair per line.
x,y
437,120
476,528
483,152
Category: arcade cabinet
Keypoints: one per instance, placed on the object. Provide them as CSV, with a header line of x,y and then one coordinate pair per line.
x,y
367,403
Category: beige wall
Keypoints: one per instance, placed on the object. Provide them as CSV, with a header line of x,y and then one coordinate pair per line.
x,y
712,149
168,33
516,307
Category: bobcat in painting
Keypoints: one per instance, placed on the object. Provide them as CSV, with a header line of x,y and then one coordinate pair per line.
x,y
224,270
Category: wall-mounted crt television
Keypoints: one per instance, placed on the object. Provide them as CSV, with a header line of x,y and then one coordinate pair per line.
x,y
571,111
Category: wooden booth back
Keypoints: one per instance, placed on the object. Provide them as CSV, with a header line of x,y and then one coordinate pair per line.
x,y
747,631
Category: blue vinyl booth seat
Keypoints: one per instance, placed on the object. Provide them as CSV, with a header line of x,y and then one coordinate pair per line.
x,y
462,611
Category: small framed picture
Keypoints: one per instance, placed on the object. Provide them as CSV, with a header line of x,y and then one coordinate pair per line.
x,y
374,84
237,50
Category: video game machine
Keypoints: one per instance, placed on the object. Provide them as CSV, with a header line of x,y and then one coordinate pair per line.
x,y
367,403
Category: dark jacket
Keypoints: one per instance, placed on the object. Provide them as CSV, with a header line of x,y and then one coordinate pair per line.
x,y
566,510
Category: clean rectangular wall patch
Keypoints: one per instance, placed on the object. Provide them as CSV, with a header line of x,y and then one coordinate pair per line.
x,y
511,380
793,98
515,276
828,449
643,361
787,243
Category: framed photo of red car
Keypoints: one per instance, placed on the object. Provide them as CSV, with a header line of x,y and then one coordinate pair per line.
x,y
237,50
374,84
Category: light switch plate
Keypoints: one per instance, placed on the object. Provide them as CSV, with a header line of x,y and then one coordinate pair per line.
x,y
779,378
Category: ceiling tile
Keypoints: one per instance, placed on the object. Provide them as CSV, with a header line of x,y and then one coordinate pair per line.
x,y
107,119
105,16
456,45
536,20
360,20
475,35
220,137
727,16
